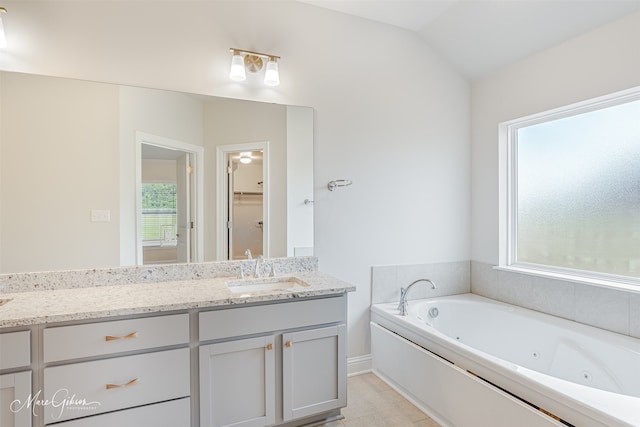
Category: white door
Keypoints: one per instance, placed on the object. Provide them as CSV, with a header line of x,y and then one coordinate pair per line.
x,y
15,390
237,383
183,207
316,357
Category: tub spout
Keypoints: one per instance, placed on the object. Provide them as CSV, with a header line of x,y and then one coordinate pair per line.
x,y
404,303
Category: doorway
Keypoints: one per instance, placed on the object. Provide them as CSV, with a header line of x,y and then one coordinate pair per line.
x,y
169,201
243,201
245,193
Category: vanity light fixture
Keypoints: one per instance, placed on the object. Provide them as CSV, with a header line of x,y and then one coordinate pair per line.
x,y
246,60
3,40
271,76
237,67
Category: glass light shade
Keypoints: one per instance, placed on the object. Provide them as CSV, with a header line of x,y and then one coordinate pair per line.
x,y
245,159
271,76
237,72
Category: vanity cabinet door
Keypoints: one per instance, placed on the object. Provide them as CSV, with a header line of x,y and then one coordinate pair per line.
x,y
15,390
237,383
15,350
314,371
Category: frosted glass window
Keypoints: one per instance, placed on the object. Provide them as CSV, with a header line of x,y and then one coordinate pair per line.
x,y
577,181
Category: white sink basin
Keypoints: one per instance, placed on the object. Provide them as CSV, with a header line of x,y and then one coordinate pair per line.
x,y
266,284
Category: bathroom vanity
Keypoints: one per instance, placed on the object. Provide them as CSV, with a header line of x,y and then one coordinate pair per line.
x,y
211,351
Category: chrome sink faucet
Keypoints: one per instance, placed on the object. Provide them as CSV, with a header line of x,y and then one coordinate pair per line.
x,y
402,306
259,262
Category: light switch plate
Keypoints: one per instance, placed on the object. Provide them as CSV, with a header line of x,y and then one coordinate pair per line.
x,y
100,215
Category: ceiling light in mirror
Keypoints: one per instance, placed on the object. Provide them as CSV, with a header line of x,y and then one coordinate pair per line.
x,y
245,158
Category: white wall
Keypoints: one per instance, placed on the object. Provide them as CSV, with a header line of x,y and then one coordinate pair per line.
x,y
597,63
237,122
403,138
157,170
172,115
603,61
299,180
59,156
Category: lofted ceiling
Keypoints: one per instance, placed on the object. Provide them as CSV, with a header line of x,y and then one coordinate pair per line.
x,y
481,36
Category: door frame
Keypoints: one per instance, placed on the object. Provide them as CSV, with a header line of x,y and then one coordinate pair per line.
x,y
197,190
222,196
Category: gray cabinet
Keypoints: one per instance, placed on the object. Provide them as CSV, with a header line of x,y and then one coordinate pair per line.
x,y
168,414
314,371
123,372
272,364
15,388
15,391
237,383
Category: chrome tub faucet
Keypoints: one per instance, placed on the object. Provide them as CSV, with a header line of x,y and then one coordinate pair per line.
x,y
402,306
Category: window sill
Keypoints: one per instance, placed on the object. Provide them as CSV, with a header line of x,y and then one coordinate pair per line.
x,y
159,244
629,285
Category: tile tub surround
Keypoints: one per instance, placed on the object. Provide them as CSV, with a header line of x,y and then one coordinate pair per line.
x,y
605,308
610,309
451,278
69,279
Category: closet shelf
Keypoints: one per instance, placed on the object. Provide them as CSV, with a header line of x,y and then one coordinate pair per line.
x,y
247,193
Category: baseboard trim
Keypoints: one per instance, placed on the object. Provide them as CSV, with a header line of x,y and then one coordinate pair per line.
x,y
359,365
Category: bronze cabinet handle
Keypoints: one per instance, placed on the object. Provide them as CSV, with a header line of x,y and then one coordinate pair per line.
x,y
125,337
129,384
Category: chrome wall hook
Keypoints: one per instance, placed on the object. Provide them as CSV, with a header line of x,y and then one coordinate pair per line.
x,y
338,183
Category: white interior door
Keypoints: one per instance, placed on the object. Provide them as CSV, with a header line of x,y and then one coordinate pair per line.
x,y
183,207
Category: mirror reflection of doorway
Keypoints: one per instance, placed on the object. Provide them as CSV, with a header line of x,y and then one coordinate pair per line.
x,y
168,201
246,204
249,196
166,188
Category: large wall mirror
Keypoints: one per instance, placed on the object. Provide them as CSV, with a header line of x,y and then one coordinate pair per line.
x,y
97,175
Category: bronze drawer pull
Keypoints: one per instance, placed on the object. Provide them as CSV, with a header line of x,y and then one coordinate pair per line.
x,y
129,384
126,337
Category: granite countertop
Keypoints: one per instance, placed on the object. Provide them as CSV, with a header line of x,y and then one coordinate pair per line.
x,y
61,305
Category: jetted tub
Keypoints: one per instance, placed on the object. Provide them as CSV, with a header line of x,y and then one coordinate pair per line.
x,y
583,375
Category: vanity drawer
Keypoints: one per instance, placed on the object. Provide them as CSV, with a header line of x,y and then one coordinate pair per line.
x,y
237,322
95,339
15,349
176,413
117,383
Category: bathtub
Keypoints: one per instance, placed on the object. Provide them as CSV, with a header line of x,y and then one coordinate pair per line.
x,y
582,375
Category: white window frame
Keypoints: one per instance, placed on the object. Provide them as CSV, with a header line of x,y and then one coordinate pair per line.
x,y
508,197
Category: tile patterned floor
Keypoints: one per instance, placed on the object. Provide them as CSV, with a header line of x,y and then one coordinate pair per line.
x,y
372,403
